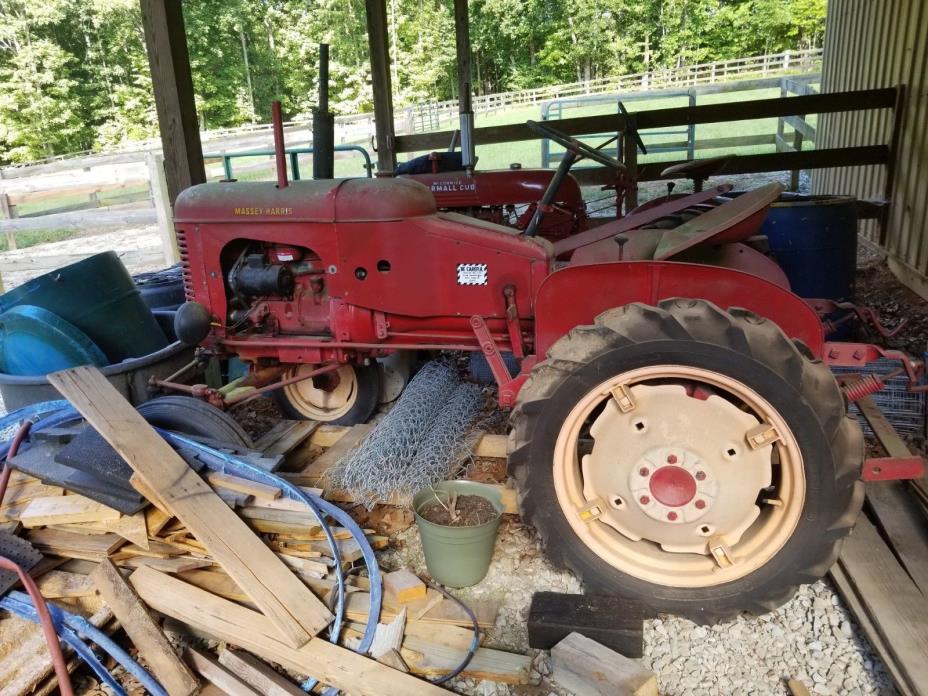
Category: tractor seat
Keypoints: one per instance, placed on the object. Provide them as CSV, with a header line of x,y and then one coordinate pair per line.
x,y
698,169
324,200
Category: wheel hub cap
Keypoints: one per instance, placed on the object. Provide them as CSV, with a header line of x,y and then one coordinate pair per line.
x,y
674,486
674,469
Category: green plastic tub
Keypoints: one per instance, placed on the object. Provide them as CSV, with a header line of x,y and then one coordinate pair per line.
x,y
458,556
98,296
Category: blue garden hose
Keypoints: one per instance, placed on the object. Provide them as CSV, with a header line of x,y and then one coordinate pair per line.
x,y
73,630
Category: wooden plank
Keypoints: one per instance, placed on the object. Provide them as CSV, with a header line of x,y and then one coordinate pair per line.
x,y
57,584
855,604
145,633
895,606
70,545
442,612
242,485
585,667
252,631
493,446
431,658
132,528
217,675
334,454
257,674
285,436
834,102
403,586
42,512
297,613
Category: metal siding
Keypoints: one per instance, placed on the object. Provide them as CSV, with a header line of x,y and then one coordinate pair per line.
x,y
881,43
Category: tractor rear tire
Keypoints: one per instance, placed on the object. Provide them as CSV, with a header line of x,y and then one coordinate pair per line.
x,y
353,401
814,467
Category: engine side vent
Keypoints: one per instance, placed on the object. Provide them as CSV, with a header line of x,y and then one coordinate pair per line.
x,y
184,263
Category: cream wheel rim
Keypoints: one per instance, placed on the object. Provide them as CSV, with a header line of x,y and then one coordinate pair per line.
x,y
679,476
318,403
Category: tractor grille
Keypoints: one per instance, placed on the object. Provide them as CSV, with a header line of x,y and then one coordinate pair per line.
x,y
184,263
904,409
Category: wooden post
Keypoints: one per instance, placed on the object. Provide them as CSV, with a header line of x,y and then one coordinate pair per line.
x,y
630,159
797,147
8,212
383,89
162,205
166,43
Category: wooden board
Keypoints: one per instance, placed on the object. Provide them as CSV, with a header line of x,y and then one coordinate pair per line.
x,y
431,658
403,586
257,674
252,631
241,485
57,584
585,667
89,547
217,675
65,509
892,602
442,612
287,602
146,635
285,436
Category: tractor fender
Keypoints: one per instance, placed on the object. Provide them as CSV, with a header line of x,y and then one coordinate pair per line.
x,y
576,295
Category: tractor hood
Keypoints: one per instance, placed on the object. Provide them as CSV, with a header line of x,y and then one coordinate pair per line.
x,y
330,200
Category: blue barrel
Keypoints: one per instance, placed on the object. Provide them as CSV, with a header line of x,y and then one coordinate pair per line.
x,y
814,239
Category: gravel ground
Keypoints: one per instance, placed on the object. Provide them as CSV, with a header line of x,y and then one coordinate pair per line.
x,y
811,638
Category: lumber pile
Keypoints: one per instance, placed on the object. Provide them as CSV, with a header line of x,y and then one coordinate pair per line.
x,y
882,573
222,557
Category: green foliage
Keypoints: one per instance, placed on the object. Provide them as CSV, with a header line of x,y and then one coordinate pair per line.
x,y
74,74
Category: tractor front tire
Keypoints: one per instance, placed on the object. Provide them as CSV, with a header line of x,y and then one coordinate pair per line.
x,y
351,400
694,459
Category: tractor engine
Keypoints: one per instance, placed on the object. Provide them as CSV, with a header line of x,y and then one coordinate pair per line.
x,y
276,289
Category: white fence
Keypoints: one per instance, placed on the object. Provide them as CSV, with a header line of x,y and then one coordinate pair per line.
x,y
423,118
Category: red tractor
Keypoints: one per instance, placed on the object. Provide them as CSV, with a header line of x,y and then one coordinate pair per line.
x,y
676,433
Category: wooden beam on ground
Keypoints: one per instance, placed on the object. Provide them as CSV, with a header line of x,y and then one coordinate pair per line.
x,y
854,100
145,633
380,81
339,667
166,45
284,599
891,602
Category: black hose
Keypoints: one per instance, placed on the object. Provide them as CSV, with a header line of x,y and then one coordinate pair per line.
x,y
475,643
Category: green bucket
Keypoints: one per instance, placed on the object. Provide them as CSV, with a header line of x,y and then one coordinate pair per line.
x,y
97,296
458,556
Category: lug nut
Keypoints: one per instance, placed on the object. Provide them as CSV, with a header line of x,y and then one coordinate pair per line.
x,y
700,475
644,500
671,515
643,471
672,459
700,504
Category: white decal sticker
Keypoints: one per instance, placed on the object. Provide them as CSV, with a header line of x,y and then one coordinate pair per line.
x,y
472,274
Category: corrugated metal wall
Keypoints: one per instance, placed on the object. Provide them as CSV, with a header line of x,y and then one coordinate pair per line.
x,y
882,43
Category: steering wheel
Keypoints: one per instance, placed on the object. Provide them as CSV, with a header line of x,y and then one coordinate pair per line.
x,y
575,146
631,129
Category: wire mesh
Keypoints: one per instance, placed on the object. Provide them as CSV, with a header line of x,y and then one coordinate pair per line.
x,y
904,409
417,443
